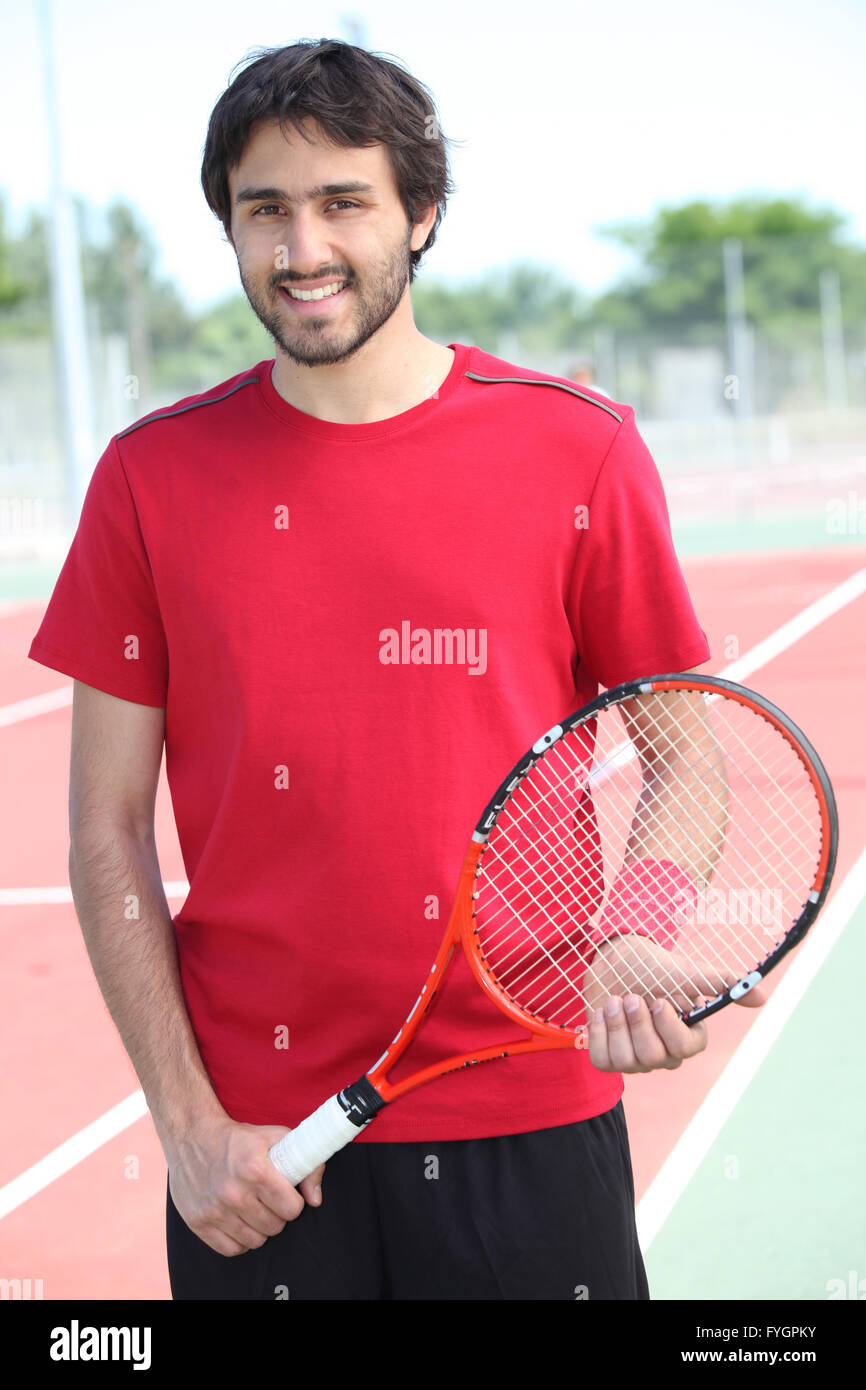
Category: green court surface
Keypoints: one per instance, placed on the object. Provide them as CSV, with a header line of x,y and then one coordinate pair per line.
x,y
776,1208
729,536
25,583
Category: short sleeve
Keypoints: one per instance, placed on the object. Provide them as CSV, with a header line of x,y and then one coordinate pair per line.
x,y
102,625
628,604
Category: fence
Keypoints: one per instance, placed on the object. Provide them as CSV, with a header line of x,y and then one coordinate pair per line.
x,y
774,459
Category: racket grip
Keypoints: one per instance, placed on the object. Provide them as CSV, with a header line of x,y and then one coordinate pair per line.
x,y
329,1129
314,1141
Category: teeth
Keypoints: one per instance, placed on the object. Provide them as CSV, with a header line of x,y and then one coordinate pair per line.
x,y
316,294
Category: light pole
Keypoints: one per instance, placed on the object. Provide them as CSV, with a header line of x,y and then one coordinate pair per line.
x,y
67,294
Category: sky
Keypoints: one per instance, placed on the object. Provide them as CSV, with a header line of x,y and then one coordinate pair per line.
x,y
571,115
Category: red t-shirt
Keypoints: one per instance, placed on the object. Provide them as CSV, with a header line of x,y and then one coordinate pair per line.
x,y
282,585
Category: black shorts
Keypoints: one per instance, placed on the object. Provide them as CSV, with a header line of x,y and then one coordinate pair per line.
x,y
547,1215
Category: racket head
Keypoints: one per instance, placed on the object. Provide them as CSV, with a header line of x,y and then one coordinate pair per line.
x,y
553,842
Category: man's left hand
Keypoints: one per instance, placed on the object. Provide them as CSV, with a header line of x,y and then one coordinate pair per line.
x,y
633,1031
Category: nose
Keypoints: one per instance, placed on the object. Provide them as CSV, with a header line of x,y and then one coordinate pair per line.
x,y
307,246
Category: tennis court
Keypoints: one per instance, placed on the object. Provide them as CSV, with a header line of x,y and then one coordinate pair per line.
x,y
732,323
770,1108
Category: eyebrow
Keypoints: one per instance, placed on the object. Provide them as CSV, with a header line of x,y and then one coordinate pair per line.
x,y
324,190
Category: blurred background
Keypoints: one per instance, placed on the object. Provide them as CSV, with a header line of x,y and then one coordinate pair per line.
x,y
660,203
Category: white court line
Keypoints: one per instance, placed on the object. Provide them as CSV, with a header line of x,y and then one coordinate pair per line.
x,y
679,1167
759,655
778,641
763,652
791,632
37,704
29,897
73,1151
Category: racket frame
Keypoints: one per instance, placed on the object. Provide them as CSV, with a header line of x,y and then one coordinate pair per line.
x,y
546,1036
461,930
750,699
353,1108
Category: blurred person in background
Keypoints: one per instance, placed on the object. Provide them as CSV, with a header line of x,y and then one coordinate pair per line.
x,y
583,374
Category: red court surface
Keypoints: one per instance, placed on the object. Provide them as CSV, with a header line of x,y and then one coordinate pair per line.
x,y
97,1230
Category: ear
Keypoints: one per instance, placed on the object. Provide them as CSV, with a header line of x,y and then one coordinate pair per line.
x,y
421,228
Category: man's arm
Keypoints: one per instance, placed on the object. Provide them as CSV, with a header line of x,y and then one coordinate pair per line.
x,y
222,1183
682,813
625,1033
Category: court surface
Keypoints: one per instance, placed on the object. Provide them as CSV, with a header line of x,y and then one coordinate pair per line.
x,y
747,1159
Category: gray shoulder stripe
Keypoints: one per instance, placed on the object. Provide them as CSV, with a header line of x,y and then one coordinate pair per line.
x,y
538,381
167,414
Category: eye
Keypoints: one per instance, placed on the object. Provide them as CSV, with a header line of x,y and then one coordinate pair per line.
x,y
345,202
266,207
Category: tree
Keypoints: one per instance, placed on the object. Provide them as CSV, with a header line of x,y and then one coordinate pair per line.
x,y
535,303
679,280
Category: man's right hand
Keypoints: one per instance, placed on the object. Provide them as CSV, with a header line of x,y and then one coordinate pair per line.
x,y
227,1190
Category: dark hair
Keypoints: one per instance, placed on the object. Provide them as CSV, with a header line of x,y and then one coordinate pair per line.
x,y
358,98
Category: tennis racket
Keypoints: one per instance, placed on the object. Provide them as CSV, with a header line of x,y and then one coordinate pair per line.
x,y
675,839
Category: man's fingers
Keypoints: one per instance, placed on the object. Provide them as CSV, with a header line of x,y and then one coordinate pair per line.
x,y
619,1043
311,1187
634,964
230,1226
755,998
275,1191
599,1053
649,1049
623,1037
219,1241
680,1039
248,1236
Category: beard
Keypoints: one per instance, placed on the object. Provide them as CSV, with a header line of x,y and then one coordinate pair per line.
x,y
315,342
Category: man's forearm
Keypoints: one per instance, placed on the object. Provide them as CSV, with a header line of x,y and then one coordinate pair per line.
x,y
120,902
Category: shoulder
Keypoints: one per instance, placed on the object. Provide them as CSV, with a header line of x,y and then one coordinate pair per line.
x,y
528,386
200,408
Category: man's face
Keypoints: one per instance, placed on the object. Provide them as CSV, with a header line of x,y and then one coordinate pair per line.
x,y
286,233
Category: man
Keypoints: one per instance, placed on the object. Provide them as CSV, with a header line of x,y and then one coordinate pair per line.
x,y
241,565
582,374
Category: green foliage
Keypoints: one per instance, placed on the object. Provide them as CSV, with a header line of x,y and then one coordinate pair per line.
x,y
680,280
674,293
534,303
24,283
12,289
225,339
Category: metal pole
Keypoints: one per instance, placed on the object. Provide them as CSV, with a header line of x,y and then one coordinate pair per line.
x,y
740,352
67,294
834,341
738,329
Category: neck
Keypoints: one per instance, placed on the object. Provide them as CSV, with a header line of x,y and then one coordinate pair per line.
x,y
390,374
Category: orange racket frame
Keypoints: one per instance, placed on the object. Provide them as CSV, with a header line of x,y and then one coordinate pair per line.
x,y
341,1118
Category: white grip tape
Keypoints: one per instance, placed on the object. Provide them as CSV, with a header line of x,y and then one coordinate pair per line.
x,y
314,1141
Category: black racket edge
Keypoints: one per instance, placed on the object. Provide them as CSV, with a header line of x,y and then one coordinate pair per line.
x,y
628,690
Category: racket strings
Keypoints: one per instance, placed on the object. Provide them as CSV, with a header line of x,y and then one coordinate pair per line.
x,y
755,754
732,805
771,783
551,847
565,931
787,868
753,948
